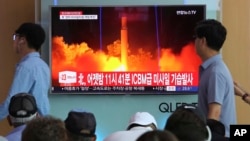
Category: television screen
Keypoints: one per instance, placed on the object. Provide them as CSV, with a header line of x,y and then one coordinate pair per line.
x,y
124,49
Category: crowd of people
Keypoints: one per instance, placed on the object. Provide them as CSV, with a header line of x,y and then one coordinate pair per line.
x,y
27,104
186,123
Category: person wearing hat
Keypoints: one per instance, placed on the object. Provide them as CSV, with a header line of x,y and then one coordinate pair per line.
x,y
217,129
32,74
80,125
22,108
188,123
139,123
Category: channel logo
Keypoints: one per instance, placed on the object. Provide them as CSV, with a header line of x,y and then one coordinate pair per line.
x,y
239,132
67,77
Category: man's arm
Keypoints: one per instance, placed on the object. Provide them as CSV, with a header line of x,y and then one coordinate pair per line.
x,y
4,109
239,91
214,111
21,83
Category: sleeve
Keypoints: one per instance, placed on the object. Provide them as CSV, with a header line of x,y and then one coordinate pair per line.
x,y
216,88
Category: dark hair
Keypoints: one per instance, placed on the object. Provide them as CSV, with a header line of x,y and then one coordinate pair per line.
x,y
214,32
187,125
216,126
34,34
157,135
45,129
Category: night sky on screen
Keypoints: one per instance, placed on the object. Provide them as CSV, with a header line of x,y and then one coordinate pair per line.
x,y
148,27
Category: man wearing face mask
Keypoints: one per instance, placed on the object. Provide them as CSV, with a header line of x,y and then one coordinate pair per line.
x,y
32,74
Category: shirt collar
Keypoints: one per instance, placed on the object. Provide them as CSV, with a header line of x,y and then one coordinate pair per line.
x,y
209,61
32,54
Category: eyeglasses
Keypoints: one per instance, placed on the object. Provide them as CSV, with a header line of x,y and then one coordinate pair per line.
x,y
15,36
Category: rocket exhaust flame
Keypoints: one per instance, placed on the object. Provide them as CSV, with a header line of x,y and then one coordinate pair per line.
x,y
81,58
119,57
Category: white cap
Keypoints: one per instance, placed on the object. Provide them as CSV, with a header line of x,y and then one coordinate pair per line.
x,y
3,138
142,118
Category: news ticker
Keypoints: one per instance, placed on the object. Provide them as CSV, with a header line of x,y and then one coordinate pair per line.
x,y
128,78
240,132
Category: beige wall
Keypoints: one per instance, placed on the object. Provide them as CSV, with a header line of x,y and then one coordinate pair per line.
x,y
236,18
12,13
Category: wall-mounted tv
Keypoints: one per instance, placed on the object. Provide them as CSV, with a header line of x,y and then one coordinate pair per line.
x,y
124,49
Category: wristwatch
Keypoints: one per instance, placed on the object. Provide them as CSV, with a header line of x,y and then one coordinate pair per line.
x,y
244,96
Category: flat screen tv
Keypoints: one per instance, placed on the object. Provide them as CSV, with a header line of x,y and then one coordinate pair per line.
x,y
124,49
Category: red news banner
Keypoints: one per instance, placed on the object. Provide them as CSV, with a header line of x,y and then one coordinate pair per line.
x,y
77,15
128,78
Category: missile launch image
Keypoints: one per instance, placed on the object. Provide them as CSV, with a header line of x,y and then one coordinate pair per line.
x,y
122,39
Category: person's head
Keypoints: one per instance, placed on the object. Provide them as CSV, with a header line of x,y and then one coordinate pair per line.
x,y
143,119
216,127
211,33
22,108
29,36
188,123
80,125
157,135
46,128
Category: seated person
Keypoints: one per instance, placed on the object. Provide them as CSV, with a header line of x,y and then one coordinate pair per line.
x,y
188,123
218,130
81,126
46,128
157,135
139,123
22,108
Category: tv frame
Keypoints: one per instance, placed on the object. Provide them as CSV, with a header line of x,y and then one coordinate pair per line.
x,y
121,92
